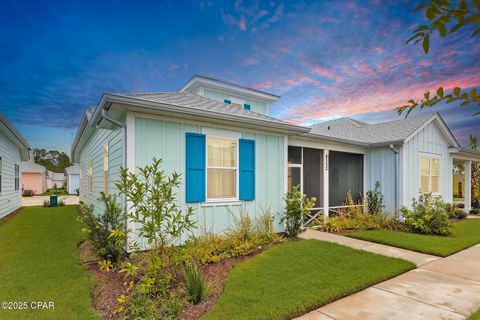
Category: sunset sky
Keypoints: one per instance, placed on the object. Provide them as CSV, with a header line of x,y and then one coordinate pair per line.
x,y
326,59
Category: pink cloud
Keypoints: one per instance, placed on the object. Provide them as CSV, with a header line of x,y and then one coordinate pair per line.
x,y
242,24
425,63
251,61
378,50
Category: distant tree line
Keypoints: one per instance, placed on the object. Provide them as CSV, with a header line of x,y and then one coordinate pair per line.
x,y
52,160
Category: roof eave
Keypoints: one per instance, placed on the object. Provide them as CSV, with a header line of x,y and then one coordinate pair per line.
x,y
21,143
110,98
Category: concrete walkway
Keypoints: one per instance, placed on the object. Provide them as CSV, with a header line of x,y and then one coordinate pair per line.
x,y
416,257
38,200
442,288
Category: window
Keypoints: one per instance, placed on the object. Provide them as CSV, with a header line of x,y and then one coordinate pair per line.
x,y
226,101
1,174
90,176
246,106
17,177
295,168
429,174
105,168
222,168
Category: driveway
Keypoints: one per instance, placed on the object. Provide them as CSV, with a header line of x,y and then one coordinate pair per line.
x,y
445,288
38,200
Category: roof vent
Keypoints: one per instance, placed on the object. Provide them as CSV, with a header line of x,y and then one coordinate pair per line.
x,y
328,128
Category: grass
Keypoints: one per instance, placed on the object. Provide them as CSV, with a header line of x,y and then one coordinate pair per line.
x,y
39,261
465,234
293,278
458,199
475,315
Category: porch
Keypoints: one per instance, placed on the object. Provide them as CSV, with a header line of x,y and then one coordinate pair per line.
x,y
328,176
464,161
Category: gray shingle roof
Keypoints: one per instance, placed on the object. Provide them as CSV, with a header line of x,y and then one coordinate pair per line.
x,y
194,101
353,130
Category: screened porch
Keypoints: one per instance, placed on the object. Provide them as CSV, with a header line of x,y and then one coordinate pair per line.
x,y
326,175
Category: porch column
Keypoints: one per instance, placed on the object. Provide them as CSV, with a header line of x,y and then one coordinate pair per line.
x,y
325,183
468,185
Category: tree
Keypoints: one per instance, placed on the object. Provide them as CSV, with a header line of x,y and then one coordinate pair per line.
x,y
475,169
52,160
446,18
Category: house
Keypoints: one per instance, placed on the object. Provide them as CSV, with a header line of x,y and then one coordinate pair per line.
x,y
72,178
13,150
34,176
55,179
231,153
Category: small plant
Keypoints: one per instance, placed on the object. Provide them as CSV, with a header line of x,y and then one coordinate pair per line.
x,y
77,191
46,203
61,203
375,200
297,205
243,226
196,287
107,230
454,212
428,216
475,211
105,265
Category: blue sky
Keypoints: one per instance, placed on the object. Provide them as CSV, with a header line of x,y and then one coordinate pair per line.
x,y
325,58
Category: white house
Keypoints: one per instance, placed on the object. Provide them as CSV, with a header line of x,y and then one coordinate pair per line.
x,y
231,153
13,150
72,178
55,179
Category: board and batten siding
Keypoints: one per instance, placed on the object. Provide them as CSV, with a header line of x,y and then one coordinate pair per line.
x,y
255,105
380,166
431,141
10,200
165,139
93,150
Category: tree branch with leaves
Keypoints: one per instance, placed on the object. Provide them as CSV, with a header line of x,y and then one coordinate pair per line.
x,y
445,17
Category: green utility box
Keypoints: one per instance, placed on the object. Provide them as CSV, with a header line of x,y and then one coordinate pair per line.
x,y
53,201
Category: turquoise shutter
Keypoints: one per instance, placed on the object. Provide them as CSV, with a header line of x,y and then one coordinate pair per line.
x,y
247,169
246,107
226,101
195,167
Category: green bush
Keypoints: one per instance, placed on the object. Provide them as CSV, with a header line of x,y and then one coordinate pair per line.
x,y
375,200
455,212
428,216
196,287
475,211
297,205
102,228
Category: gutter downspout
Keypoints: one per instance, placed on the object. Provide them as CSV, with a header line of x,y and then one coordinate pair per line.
x,y
395,175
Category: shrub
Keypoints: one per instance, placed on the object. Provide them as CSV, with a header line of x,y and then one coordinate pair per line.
x,y
454,212
61,203
46,203
297,205
375,200
195,285
475,211
105,230
243,226
428,216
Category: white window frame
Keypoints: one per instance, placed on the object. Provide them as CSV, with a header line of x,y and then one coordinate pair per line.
x,y
106,160
16,177
298,165
430,156
222,134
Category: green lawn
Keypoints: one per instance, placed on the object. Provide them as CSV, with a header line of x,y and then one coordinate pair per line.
x,y
293,278
475,315
465,234
53,193
458,199
39,261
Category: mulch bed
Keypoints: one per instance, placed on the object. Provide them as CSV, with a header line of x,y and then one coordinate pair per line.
x,y
111,285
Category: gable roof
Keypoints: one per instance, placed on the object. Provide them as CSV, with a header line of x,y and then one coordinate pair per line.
x,y
196,81
32,167
391,132
74,169
9,130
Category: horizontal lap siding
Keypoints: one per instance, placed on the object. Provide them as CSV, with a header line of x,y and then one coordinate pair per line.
x,y
166,140
428,140
10,200
93,150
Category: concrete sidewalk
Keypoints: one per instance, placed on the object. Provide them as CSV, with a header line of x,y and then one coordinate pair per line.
x,y
444,288
416,257
38,200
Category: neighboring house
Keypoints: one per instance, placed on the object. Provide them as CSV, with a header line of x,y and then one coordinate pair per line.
x,y
55,179
13,150
230,153
72,178
34,176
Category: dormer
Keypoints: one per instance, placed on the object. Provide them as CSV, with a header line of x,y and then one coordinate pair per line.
x,y
229,93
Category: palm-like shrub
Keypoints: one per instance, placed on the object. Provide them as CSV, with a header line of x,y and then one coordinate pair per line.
x,y
428,216
195,285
